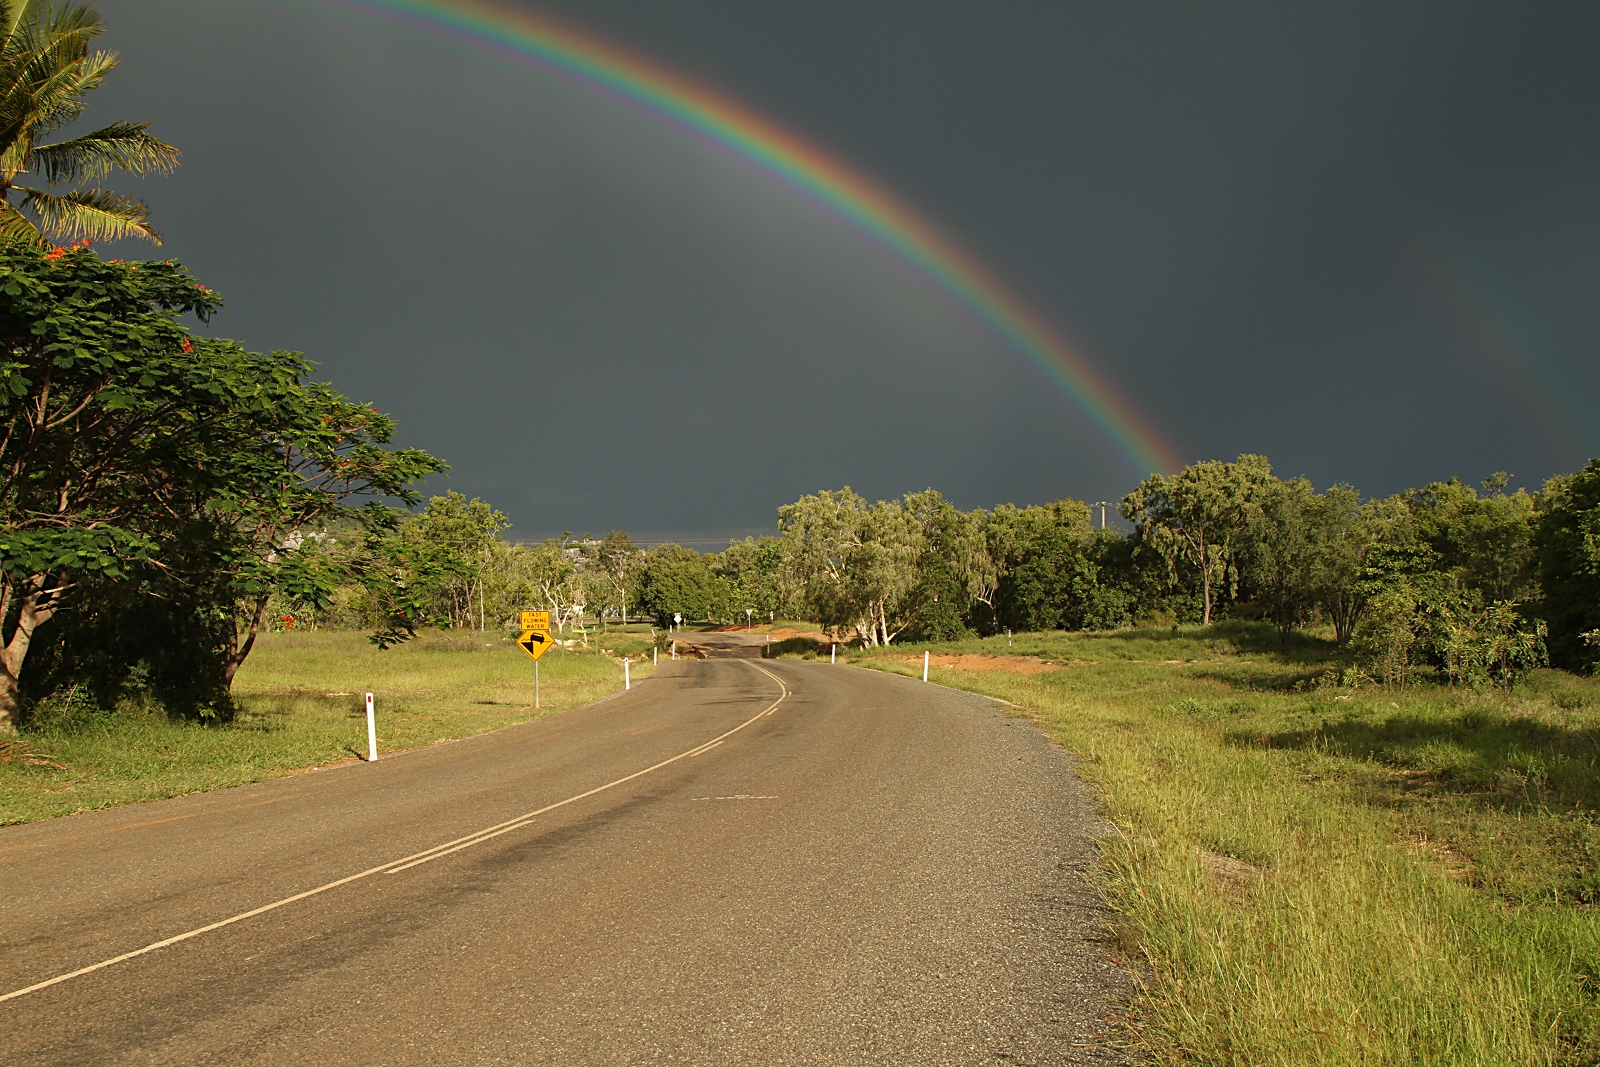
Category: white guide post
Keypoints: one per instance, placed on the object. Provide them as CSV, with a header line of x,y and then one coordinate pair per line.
x,y
655,656
924,665
833,652
372,733
626,684
674,650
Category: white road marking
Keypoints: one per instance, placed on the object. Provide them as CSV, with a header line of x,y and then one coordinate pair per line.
x,y
405,862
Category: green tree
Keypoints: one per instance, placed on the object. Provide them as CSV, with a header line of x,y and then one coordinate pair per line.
x,y
46,68
1281,554
106,406
1567,547
676,580
952,570
1486,645
851,565
615,560
750,571
822,542
404,575
469,529
130,446
1486,542
296,457
1045,560
1345,530
1400,582
1195,519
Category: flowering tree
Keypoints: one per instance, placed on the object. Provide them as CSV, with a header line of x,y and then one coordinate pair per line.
x,y
122,435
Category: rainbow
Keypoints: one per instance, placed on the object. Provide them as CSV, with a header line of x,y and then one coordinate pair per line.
x,y
598,66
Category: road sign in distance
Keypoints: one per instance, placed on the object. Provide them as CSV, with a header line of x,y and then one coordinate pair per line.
x,y
535,642
535,620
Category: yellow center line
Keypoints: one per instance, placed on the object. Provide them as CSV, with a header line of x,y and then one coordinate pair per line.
x,y
413,860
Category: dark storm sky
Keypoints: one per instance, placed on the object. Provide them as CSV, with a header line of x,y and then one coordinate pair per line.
x,y
1363,239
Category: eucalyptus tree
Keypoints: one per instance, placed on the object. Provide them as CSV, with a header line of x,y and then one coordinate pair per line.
x,y
1195,518
1281,557
46,69
616,559
953,569
1044,564
822,552
853,565
468,528
1345,530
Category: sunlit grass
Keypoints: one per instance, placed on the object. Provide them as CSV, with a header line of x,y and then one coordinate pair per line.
x,y
301,705
1316,875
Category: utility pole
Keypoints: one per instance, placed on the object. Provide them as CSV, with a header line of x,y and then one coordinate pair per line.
x,y
1102,505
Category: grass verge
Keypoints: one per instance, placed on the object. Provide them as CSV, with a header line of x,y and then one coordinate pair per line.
x,y
301,705
1319,875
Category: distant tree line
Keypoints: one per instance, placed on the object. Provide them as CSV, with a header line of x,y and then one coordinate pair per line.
x,y
1476,584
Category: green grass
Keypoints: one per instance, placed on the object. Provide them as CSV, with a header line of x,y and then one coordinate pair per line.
x,y
1321,875
301,705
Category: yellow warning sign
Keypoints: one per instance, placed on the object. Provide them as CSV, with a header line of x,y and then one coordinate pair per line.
x,y
535,643
535,620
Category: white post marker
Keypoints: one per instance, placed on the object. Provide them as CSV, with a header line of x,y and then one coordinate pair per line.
x,y
924,665
626,684
674,650
833,653
655,657
372,733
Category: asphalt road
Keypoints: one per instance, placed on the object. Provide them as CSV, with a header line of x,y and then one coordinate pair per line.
x,y
865,870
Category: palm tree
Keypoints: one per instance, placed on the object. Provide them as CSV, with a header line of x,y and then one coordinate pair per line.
x,y
45,70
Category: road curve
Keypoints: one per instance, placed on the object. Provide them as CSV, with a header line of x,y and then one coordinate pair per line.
x,y
817,865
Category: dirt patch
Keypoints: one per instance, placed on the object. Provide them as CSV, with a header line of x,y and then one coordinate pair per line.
x,y
15,751
972,661
783,633
1232,874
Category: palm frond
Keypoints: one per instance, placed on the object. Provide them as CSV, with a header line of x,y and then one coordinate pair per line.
x,y
123,145
15,11
16,226
50,93
42,83
98,214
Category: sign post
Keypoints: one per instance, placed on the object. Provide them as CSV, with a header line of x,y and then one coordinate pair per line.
x,y
535,641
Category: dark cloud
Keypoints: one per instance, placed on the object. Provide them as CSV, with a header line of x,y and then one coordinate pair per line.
x,y
1361,239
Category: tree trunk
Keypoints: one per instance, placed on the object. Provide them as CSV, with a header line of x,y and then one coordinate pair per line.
x,y
868,632
34,609
1205,581
236,655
